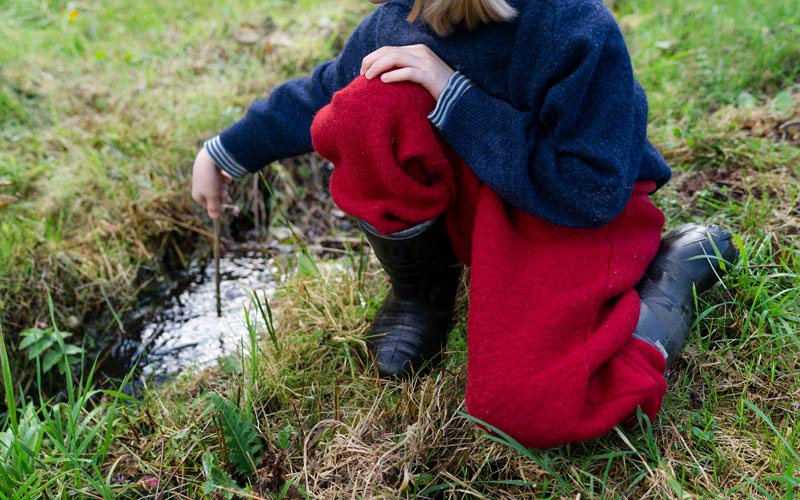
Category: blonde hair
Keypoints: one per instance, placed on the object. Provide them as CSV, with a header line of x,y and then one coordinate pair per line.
x,y
444,15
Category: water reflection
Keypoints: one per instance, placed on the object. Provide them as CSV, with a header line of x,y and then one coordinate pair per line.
x,y
185,332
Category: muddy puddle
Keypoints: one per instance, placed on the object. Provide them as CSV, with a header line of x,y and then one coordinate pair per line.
x,y
182,331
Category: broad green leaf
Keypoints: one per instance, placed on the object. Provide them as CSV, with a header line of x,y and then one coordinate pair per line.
x,y
73,350
36,350
241,437
782,103
284,437
50,360
216,477
6,441
746,100
31,336
306,265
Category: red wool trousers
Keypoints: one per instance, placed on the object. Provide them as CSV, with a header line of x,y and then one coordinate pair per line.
x,y
552,309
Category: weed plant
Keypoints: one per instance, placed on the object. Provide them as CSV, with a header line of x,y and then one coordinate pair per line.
x,y
58,446
103,106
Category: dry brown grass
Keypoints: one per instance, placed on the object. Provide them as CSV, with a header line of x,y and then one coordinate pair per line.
x,y
354,436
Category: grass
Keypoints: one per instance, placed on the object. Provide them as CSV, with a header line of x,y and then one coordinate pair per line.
x,y
103,107
58,446
105,113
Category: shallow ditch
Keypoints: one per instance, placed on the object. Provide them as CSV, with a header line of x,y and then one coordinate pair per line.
x,y
177,328
181,330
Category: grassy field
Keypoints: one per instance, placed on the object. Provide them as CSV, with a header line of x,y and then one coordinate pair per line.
x,y
103,106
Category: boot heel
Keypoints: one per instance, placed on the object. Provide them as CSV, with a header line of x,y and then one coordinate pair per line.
x,y
691,258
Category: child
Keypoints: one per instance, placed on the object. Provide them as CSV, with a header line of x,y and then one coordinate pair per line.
x,y
510,136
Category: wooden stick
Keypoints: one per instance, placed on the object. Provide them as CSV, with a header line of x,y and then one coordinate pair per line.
x,y
217,278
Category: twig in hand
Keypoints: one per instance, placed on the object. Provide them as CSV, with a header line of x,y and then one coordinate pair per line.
x,y
217,279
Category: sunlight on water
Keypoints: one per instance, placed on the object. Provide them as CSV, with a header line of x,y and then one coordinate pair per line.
x,y
186,332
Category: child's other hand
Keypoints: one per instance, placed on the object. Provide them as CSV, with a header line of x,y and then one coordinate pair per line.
x,y
413,63
209,184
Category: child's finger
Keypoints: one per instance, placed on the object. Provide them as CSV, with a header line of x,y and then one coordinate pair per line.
x,y
420,51
381,66
391,59
405,75
370,58
232,209
213,207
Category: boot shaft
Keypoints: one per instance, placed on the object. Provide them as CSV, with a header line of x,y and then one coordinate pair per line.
x,y
418,261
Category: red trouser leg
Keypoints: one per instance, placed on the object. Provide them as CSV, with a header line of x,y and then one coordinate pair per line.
x,y
552,309
551,358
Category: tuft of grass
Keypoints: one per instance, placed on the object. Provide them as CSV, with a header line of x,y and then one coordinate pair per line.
x,y
58,446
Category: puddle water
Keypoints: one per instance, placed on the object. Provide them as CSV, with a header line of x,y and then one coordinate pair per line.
x,y
185,332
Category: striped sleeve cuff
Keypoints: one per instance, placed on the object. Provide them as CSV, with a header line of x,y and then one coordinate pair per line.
x,y
223,159
456,86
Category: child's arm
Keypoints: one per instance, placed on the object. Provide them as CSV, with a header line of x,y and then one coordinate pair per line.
x,y
572,155
279,126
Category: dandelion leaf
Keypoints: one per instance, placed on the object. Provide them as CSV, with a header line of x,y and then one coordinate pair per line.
x,y
241,437
217,480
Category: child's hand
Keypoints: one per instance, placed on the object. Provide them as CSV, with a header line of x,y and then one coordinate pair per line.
x,y
413,63
209,184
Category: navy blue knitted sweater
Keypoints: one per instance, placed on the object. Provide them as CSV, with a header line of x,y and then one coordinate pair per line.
x,y
555,121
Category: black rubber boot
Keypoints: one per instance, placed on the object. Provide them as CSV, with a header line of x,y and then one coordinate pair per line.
x,y
689,257
410,330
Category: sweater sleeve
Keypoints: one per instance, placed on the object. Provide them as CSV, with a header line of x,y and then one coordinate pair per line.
x,y
573,157
279,126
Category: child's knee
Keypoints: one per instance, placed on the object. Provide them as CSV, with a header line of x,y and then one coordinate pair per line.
x,y
354,107
366,94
